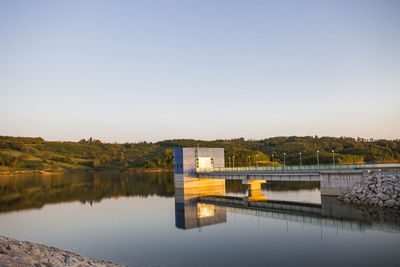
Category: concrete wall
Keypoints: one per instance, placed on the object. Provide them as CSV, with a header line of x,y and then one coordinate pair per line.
x,y
185,158
334,183
185,166
186,180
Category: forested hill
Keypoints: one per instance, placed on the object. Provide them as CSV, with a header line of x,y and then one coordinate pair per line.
x,y
25,153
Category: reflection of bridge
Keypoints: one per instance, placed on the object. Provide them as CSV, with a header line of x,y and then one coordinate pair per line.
x,y
199,209
330,213
200,199
196,167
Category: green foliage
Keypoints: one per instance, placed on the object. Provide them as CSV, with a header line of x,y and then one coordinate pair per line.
x,y
245,157
15,152
8,160
347,150
23,157
96,163
63,159
24,140
33,165
54,166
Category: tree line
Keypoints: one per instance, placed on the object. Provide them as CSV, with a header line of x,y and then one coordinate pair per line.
x,y
36,153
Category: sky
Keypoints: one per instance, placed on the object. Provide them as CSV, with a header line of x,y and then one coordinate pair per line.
x,y
131,71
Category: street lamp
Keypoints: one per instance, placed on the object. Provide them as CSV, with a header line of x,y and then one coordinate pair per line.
x,y
249,161
273,163
300,158
333,157
233,160
284,160
318,158
229,162
257,160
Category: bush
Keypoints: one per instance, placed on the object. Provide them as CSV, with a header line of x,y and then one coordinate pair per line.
x,y
7,160
54,166
96,163
23,157
34,165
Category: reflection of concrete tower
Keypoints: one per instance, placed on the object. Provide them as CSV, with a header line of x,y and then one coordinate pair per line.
x,y
187,160
189,213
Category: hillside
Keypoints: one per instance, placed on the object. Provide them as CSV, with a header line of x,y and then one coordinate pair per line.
x,y
26,153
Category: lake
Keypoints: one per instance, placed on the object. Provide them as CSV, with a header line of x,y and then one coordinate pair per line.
x,y
139,220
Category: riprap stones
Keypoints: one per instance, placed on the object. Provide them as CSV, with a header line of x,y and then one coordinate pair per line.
x,y
23,253
380,189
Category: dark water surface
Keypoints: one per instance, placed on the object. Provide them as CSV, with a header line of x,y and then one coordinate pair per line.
x,y
138,220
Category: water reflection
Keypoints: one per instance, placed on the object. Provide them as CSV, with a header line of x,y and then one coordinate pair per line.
x,y
190,213
144,228
210,205
195,207
35,191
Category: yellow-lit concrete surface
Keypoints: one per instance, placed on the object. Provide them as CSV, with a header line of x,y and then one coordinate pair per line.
x,y
186,181
255,184
255,190
256,195
191,214
194,192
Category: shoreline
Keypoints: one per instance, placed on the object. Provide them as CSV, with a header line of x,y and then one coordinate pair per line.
x,y
47,172
23,253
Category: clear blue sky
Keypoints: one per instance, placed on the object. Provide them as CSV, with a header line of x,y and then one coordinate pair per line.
x,y
153,70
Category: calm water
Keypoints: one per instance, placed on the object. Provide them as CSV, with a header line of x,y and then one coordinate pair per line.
x,y
138,220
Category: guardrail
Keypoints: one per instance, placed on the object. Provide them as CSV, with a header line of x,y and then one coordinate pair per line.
x,y
301,168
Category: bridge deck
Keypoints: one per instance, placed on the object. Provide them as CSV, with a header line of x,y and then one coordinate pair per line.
x,y
303,168
291,173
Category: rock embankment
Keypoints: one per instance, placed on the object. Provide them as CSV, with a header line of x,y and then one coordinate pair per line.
x,y
380,189
23,253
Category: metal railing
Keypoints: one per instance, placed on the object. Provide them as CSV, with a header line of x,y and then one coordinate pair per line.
x,y
300,168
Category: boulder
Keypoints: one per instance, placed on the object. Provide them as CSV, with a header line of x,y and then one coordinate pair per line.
x,y
374,201
390,203
376,189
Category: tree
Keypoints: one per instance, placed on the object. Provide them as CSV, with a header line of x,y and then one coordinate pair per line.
x,y
54,166
96,163
168,159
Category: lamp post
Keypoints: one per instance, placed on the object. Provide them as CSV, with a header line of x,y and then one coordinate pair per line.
x,y
233,161
249,162
273,163
333,157
318,158
284,160
229,162
257,160
300,158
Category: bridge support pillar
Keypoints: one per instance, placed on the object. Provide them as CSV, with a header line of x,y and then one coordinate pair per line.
x,y
254,191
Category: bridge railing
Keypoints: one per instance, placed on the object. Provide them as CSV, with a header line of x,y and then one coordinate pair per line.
x,y
298,168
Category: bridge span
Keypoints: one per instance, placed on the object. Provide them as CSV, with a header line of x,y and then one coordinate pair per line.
x,y
196,167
